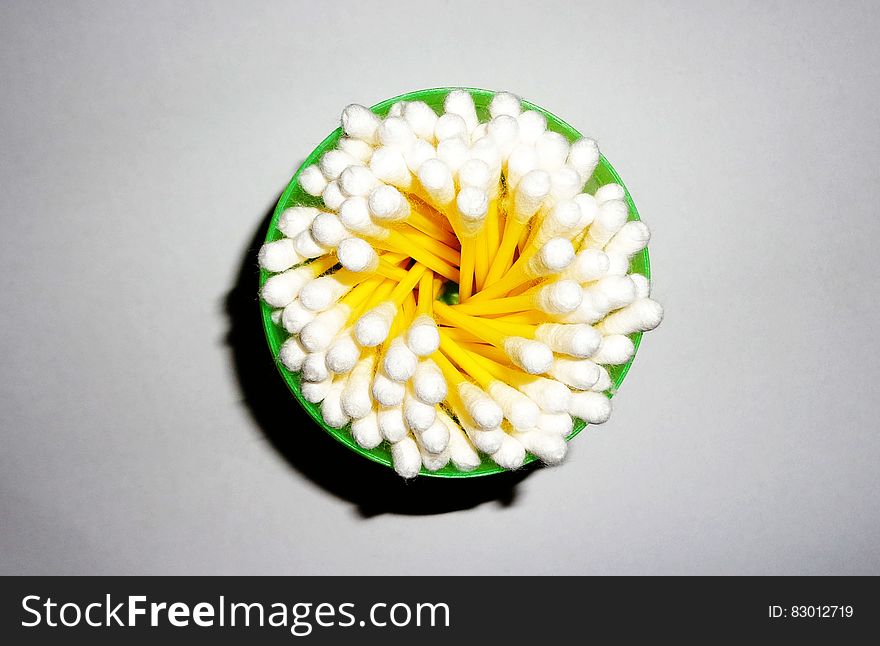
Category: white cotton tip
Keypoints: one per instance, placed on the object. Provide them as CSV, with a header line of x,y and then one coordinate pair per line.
x,y
560,424
389,166
296,219
584,157
294,317
436,178
365,431
333,197
474,173
406,458
423,338
333,162
482,130
314,368
530,193
594,306
461,103
532,125
292,354
315,391
400,362
275,316
505,103
279,255
559,297
420,152
630,239
357,399
639,316
435,438
565,184
461,451
395,132
562,221
331,407
450,126
576,340
421,118
357,148
397,108
473,205
328,231
615,349
547,447
550,395
431,461
588,265
618,264
589,209
387,205
320,332
485,412
552,149
619,290
373,327
593,408
554,256
280,290
531,356
580,374
312,180
521,162
487,150
609,192
504,131
643,285
611,217
307,247
604,382
428,382
520,411
487,441
387,391
453,152
391,423
319,294
357,255
510,455
357,181
354,213
419,416
343,353
359,123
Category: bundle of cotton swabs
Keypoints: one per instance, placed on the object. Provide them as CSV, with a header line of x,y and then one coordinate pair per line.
x,y
418,200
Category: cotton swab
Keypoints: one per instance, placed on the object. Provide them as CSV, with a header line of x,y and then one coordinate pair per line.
x,y
531,356
543,273
527,199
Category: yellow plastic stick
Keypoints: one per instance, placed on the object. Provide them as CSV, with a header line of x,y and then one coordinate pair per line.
x,y
421,255
468,258
464,360
426,293
490,352
405,286
519,303
442,248
470,324
504,256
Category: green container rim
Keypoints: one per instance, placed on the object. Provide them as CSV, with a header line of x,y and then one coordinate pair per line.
x,y
294,195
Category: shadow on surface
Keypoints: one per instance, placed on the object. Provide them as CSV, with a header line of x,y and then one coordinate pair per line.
x,y
373,488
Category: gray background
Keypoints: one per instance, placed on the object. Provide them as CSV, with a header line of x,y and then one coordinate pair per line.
x,y
145,431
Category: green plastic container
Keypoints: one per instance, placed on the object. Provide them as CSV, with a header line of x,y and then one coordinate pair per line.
x,y
294,195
